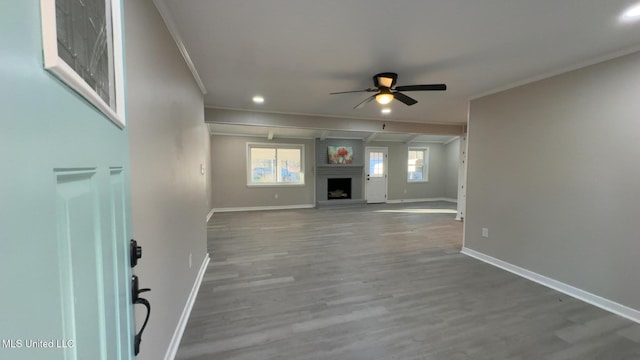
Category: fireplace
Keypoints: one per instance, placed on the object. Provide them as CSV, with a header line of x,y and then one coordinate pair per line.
x,y
338,188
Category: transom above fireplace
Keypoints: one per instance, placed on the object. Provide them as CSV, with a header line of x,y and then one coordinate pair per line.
x,y
338,188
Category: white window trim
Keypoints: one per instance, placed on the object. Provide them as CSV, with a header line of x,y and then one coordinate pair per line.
x,y
64,72
425,171
275,146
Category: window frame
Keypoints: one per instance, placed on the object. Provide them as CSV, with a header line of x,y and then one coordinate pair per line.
x,y
425,166
275,146
58,67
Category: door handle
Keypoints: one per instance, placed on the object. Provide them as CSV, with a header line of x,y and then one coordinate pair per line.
x,y
135,292
135,253
138,337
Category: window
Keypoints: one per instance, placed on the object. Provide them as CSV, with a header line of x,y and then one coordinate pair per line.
x,y
418,165
275,164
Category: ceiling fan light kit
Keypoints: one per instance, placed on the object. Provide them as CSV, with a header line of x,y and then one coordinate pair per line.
x,y
384,98
384,86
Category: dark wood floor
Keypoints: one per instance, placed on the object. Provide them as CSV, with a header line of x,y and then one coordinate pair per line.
x,y
379,282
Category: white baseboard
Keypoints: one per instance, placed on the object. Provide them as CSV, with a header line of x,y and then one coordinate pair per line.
x,y
605,304
182,323
209,215
261,208
400,201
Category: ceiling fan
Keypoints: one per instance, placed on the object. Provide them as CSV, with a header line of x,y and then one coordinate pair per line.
x,y
384,86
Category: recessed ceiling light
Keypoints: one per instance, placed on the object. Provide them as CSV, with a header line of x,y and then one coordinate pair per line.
x,y
386,111
631,14
258,99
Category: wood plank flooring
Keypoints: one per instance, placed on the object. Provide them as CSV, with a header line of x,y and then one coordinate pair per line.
x,y
379,282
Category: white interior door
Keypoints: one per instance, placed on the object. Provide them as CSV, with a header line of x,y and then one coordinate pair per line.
x,y
376,175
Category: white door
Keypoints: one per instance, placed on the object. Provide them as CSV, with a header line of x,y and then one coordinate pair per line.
x,y
376,175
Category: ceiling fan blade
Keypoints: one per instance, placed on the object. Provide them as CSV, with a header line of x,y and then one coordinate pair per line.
x,y
354,91
426,87
364,102
404,99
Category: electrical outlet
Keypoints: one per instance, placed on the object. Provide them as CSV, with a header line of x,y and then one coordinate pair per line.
x,y
275,196
202,169
190,260
485,232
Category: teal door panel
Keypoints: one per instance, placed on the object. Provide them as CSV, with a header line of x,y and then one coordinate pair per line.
x,y
80,268
64,211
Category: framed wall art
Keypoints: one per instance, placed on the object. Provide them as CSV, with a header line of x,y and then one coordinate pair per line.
x,y
340,154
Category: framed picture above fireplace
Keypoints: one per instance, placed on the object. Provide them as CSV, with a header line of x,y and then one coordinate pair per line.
x,y
340,154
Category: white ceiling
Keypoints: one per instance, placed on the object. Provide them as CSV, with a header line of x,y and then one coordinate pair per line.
x,y
295,52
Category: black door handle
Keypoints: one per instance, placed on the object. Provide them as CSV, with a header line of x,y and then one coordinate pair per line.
x,y
135,292
138,338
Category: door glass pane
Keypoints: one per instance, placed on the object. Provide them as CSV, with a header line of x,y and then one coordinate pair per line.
x,y
376,164
263,165
84,43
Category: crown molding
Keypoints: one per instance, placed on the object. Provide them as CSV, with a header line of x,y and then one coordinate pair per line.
x,y
173,30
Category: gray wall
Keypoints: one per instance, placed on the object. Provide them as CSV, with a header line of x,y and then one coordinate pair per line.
x,y
229,175
166,127
397,184
452,165
553,174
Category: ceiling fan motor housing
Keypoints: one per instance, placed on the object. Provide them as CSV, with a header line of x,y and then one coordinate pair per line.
x,y
385,80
